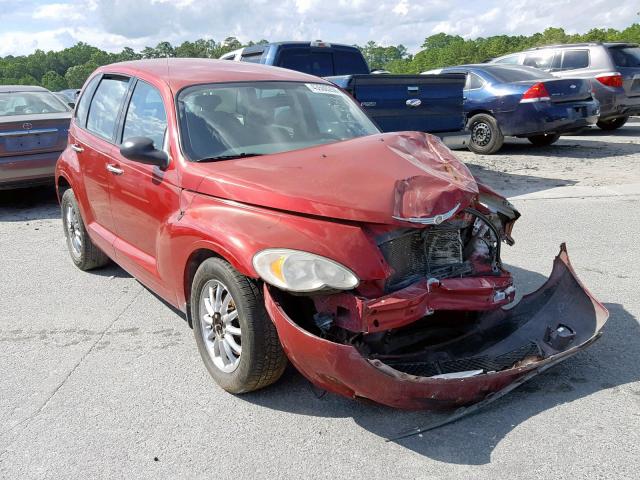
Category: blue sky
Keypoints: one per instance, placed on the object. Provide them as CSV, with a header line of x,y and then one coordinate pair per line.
x,y
51,25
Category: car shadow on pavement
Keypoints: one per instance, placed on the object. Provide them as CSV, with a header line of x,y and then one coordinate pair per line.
x,y
25,204
609,363
511,184
583,148
630,129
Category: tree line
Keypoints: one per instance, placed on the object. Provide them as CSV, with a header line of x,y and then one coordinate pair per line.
x,y
70,67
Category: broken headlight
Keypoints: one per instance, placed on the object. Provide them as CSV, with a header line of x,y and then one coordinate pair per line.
x,y
299,271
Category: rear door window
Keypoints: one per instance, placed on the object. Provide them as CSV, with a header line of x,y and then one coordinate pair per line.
x,y
146,116
574,59
542,59
105,106
626,56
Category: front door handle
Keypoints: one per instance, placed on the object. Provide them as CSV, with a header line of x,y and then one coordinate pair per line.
x,y
113,169
76,148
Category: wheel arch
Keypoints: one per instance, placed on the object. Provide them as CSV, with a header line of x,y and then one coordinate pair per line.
x,y
194,260
484,111
62,185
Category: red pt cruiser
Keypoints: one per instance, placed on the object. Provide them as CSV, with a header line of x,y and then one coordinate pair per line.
x,y
267,207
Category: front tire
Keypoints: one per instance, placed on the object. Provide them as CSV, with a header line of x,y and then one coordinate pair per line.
x,y
235,336
612,124
543,140
486,136
85,255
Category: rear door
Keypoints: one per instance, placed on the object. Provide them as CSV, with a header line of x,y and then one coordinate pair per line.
x,y
626,60
92,139
143,197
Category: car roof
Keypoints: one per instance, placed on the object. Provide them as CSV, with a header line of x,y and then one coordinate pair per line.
x,y
328,45
182,72
494,66
583,44
21,88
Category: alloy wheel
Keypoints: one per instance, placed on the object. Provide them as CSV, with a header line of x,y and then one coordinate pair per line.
x,y
220,326
73,230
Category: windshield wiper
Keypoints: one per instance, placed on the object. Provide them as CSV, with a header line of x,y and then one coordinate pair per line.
x,y
229,157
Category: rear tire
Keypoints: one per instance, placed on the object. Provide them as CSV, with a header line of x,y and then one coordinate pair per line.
x,y
253,357
612,124
84,254
543,140
486,137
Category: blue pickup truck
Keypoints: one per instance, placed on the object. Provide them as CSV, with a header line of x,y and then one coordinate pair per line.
x,y
426,103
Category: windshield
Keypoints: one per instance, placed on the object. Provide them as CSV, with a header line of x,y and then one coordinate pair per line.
x,y
30,103
255,118
514,74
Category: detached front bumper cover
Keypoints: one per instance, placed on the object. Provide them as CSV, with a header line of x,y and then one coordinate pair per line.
x,y
545,327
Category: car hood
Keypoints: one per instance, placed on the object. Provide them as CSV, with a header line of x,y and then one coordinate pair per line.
x,y
368,179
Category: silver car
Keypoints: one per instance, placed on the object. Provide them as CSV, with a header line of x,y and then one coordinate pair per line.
x,y
613,67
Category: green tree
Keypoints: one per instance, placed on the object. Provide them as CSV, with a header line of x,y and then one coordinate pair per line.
x,y
78,74
53,81
164,49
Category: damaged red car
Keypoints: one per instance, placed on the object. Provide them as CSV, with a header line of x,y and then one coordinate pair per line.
x,y
265,205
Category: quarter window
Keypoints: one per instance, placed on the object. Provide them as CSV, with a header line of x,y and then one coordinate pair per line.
x,y
105,106
574,59
83,104
146,116
473,81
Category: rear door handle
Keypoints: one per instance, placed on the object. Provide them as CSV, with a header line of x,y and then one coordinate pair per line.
x,y
76,148
113,169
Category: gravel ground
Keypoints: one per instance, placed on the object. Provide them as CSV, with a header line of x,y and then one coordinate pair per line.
x,y
99,379
595,158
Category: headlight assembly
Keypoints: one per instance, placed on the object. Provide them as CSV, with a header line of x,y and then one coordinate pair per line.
x,y
299,271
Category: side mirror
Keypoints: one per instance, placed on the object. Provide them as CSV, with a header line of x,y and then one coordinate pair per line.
x,y
141,149
71,104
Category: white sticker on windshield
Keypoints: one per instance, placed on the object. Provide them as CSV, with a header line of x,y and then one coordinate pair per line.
x,y
322,88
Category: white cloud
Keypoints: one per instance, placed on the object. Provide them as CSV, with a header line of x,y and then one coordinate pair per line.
x,y
401,8
57,11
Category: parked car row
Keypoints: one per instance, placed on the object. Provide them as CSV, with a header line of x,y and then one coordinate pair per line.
x,y
613,68
505,100
538,94
519,96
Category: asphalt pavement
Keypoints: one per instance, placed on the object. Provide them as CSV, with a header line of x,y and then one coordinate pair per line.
x,y
99,379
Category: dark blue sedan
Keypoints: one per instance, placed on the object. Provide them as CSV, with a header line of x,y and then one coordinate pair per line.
x,y
508,100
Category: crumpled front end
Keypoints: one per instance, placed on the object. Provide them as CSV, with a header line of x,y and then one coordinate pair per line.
x,y
447,357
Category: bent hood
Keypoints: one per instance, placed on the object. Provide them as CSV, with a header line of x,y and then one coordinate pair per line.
x,y
367,179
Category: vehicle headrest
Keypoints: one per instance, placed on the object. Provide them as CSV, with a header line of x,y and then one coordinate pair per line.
x,y
207,102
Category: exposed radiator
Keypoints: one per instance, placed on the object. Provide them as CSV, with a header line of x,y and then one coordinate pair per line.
x,y
434,252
